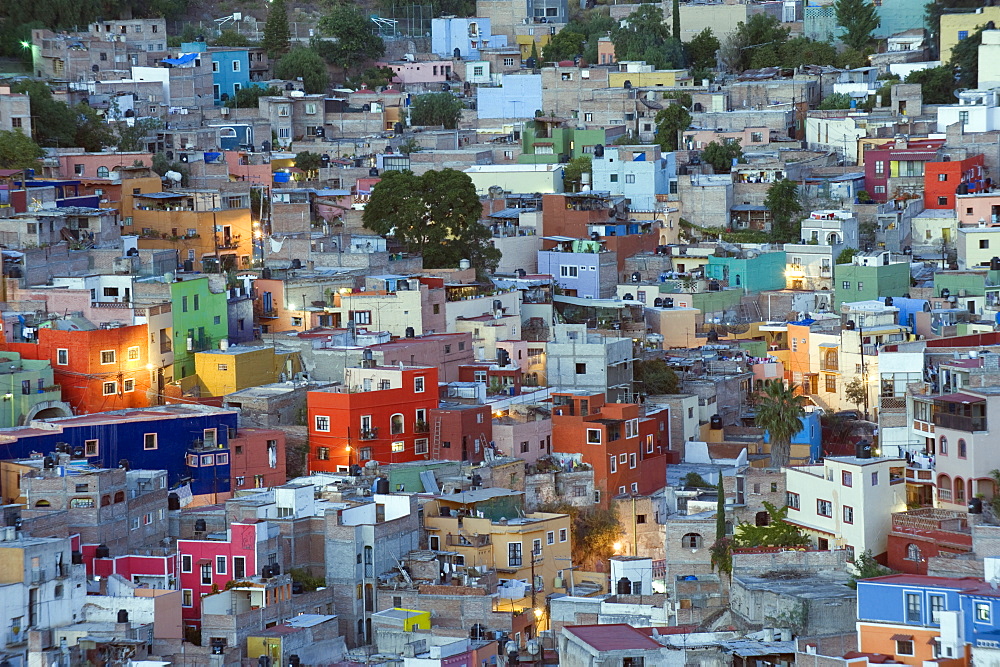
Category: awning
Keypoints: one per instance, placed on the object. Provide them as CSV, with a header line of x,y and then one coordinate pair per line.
x,y
901,638
959,397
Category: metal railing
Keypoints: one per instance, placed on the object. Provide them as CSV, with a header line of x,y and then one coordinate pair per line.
x,y
368,434
960,423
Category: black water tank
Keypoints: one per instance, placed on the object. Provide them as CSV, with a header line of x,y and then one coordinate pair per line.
x,y
296,263
200,526
265,572
173,501
102,551
382,485
189,265
265,273
888,301
48,463
124,465
373,172
599,150
715,422
624,586
945,293
123,615
668,302
976,506
594,236
658,302
850,325
294,660
521,273
298,588
410,332
995,264
863,450
275,570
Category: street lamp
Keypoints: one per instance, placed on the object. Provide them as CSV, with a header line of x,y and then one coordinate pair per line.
x,y
9,396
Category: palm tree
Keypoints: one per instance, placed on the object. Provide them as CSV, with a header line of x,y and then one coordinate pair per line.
x,y
778,412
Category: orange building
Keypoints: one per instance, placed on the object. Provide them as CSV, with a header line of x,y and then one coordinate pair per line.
x,y
625,448
943,180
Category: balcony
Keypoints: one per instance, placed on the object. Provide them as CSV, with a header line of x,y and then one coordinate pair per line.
x,y
37,575
368,434
16,638
227,242
467,540
960,422
421,427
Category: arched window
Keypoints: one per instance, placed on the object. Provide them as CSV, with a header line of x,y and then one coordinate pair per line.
x,y
102,172
729,528
944,487
105,500
959,486
691,541
943,446
227,133
396,424
912,552
120,497
43,503
962,449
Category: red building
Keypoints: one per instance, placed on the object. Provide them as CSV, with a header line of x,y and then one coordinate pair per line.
x,y
380,414
943,180
98,369
903,161
625,448
923,533
257,458
208,564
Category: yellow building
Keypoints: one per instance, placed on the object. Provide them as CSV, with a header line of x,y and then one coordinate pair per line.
x,y
221,372
665,78
538,544
956,27
524,43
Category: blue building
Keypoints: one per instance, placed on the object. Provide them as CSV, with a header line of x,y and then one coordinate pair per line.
x,y
582,268
895,16
190,442
810,434
640,173
463,37
518,96
230,68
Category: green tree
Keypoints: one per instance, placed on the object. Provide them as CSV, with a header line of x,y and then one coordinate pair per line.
x,y
409,146
866,567
783,201
593,24
965,59
669,122
564,45
675,19
933,11
353,42
436,109
693,479
777,533
132,138
306,63
654,377
721,156
846,255
937,83
247,98
233,38
644,36
851,59
435,214
308,162
18,151
995,500
54,123
801,51
595,532
778,412
859,19
701,50
856,393
573,171
740,46
722,555
92,133
533,56
835,101
372,78
277,34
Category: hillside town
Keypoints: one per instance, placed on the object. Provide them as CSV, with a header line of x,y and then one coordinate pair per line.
x,y
468,334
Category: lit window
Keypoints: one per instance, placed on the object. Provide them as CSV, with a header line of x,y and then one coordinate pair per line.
x,y
398,446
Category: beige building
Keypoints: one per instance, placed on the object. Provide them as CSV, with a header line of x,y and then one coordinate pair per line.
x,y
15,111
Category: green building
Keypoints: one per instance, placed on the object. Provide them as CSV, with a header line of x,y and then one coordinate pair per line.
x,y
759,273
200,320
543,141
869,276
28,391
972,283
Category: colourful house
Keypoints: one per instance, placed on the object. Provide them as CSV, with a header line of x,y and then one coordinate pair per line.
x,y
545,139
943,180
765,271
200,321
29,390
223,371
869,276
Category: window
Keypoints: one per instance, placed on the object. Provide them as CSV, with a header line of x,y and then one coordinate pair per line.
x,y
846,478
943,445
149,441
128,385
322,423
398,446
322,453
206,574
831,383
912,607
904,647
186,597
936,603
215,66
963,34
861,286
420,446
874,479
62,356
110,388
593,436
102,172
107,356
614,464
550,537
879,167
942,201
631,460
78,169
239,567
962,448
568,271
942,178
563,534
630,178
848,514
514,558
581,369
185,563
824,508
418,384
508,62
963,117
845,285
792,500
691,541
362,316
396,425
477,70
984,244
912,552
982,612
311,108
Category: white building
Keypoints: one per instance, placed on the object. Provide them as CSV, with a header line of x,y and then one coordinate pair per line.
x,y
809,267
640,173
831,227
847,502
976,110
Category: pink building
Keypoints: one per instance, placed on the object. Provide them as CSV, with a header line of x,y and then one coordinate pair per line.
x,y
98,165
206,566
240,168
982,206
420,72
748,137
156,572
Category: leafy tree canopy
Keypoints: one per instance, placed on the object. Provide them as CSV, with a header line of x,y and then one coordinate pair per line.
x,y
701,50
965,59
306,63
835,101
436,109
778,411
937,83
564,45
132,138
783,201
759,31
778,532
696,480
595,532
573,171
592,24
372,78
91,133
435,214
654,377
721,156
353,42
645,37
18,151
866,567
277,34
859,19
308,161
246,98
233,38
54,121
669,121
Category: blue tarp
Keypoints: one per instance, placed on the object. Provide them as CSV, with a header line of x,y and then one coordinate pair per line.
x,y
181,60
